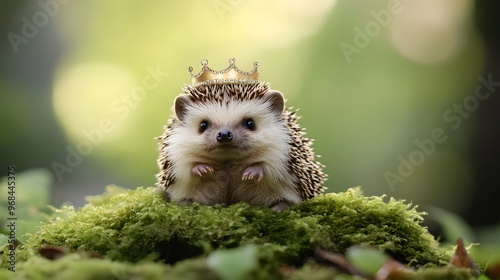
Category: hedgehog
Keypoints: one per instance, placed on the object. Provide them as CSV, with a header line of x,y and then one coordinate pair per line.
x,y
231,139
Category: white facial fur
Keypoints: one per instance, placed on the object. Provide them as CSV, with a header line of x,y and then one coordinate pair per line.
x,y
268,144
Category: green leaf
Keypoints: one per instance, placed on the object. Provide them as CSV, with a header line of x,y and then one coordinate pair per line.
x,y
483,277
4,239
234,264
31,191
367,260
453,226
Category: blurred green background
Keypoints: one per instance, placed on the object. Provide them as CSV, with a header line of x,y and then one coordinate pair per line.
x,y
87,85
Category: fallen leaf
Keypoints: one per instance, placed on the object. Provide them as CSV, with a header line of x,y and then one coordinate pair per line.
x,y
392,269
461,258
493,271
287,270
338,261
52,252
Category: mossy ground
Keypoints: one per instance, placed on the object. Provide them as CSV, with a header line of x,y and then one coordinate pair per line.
x,y
137,232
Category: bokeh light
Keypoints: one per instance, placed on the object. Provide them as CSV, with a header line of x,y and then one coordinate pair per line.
x,y
369,83
85,94
432,31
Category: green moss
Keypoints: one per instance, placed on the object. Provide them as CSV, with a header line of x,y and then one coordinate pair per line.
x,y
131,227
76,267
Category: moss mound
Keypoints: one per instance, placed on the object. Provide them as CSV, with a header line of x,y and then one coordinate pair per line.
x,y
132,228
76,267
131,225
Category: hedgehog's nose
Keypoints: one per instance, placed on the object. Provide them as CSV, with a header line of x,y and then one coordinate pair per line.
x,y
224,136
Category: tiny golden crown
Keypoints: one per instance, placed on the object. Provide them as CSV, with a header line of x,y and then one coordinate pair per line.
x,y
230,75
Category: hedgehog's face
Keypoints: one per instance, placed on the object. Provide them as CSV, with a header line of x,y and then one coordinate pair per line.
x,y
232,129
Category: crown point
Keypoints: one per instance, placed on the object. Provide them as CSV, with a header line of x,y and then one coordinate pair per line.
x,y
230,75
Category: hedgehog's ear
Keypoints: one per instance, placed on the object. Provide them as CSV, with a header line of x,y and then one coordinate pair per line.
x,y
277,101
180,106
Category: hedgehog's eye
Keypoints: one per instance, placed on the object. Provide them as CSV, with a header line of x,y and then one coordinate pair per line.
x,y
249,124
203,126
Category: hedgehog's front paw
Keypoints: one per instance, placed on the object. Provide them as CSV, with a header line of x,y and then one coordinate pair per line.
x,y
280,206
202,168
185,201
254,171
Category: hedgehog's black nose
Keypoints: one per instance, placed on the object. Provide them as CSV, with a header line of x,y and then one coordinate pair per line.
x,y
224,136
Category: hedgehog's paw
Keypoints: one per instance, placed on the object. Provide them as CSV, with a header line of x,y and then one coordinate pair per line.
x,y
202,168
185,201
280,206
254,171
